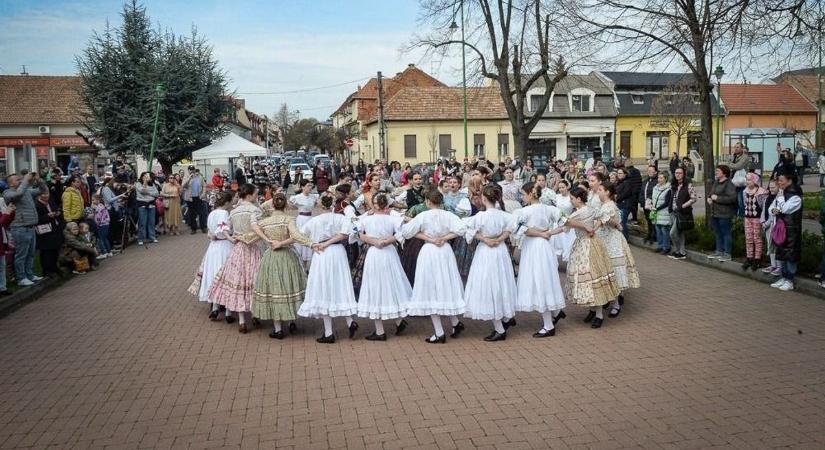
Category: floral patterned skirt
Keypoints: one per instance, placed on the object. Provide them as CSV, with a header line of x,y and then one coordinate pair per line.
x,y
591,280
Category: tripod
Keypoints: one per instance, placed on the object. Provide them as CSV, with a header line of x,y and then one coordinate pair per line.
x,y
128,223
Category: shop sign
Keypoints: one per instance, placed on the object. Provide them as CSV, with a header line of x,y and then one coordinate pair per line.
x,y
14,142
68,141
42,152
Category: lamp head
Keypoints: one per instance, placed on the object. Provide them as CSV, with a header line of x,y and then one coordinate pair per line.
x,y
718,73
453,27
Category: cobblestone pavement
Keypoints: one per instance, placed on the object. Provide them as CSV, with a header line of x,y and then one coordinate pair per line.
x,y
124,358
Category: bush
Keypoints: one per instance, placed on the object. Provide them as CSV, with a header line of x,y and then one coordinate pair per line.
x,y
811,201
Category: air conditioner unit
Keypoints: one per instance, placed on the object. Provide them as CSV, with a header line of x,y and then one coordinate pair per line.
x,y
44,129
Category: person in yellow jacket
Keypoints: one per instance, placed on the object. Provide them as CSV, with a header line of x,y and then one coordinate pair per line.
x,y
73,201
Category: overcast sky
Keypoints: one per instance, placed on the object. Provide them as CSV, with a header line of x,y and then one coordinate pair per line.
x,y
265,46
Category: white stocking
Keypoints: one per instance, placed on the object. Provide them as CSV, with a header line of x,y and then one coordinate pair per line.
x,y
379,327
498,326
453,320
547,316
349,321
439,329
277,325
327,325
599,313
398,321
241,318
615,304
216,307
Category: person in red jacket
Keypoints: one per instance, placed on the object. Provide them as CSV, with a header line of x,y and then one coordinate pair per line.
x,y
217,179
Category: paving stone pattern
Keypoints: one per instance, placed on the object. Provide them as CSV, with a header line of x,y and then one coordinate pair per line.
x,y
123,358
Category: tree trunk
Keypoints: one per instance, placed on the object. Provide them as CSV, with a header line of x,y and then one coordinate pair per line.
x,y
520,140
707,141
166,166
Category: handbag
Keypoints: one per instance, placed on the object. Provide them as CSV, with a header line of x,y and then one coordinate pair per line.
x,y
81,264
779,233
43,228
739,178
684,221
161,208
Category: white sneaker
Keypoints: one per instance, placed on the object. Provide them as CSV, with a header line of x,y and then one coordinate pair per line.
x,y
778,283
35,278
822,284
714,255
154,241
109,255
140,243
25,282
787,286
103,256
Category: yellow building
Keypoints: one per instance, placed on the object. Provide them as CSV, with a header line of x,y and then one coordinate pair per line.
x,y
423,124
640,129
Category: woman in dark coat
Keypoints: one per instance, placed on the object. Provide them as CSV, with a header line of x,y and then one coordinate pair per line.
x,y
49,231
788,208
321,177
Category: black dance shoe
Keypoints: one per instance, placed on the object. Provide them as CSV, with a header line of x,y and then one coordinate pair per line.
x,y
436,339
213,316
621,300
292,328
590,316
229,319
457,329
256,322
376,337
326,339
509,323
353,327
276,334
243,329
559,316
614,313
496,336
401,327
597,323
492,333
547,333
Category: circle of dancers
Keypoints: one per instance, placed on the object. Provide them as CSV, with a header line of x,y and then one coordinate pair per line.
x,y
482,252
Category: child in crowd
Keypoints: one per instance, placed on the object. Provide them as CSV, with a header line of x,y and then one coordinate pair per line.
x,y
101,218
86,235
78,253
754,199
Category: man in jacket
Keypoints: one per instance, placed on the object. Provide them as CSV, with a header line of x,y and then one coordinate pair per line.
x,y
722,208
625,200
21,193
73,201
634,177
195,189
646,200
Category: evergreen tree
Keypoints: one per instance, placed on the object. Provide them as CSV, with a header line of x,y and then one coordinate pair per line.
x,y
120,70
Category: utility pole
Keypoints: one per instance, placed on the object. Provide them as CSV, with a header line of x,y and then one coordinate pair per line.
x,y
464,78
381,132
818,144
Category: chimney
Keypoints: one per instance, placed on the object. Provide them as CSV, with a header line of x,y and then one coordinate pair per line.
x,y
411,66
397,74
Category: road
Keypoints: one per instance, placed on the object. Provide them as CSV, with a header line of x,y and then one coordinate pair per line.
x,y
123,358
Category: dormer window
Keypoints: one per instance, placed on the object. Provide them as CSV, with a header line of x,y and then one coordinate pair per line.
x,y
581,103
637,99
535,102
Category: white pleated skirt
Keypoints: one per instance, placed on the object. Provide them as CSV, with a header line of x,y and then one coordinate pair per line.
x,y
491,285
385,291
304,252
216,254
539,286
438,288
329,285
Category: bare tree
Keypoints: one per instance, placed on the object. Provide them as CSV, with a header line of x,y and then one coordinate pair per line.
x,y
677,110
659,32
432,143
509,42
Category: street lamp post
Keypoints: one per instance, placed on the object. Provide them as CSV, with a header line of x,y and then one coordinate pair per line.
x,y
158,92
718,73
453,28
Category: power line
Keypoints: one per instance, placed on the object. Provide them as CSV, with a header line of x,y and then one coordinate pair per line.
x,y
298,91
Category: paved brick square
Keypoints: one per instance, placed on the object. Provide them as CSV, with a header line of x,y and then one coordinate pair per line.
x,y
124,358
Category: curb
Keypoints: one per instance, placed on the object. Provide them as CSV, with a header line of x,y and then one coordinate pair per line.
x,y
28,295
802,285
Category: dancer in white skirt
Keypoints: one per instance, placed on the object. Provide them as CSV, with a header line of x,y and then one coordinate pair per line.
x,y
563,242
329,291
385,291
491,284
304,201
539,286
220,246
437,290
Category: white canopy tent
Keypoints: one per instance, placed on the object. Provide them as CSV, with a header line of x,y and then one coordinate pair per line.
x,y
223,153
229,146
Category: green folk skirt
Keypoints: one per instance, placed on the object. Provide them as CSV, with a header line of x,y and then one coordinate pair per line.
x,y
280,286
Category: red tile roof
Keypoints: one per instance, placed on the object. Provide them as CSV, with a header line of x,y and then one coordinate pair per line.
x,y
32,99
443,103
764,98
367,96
807,85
